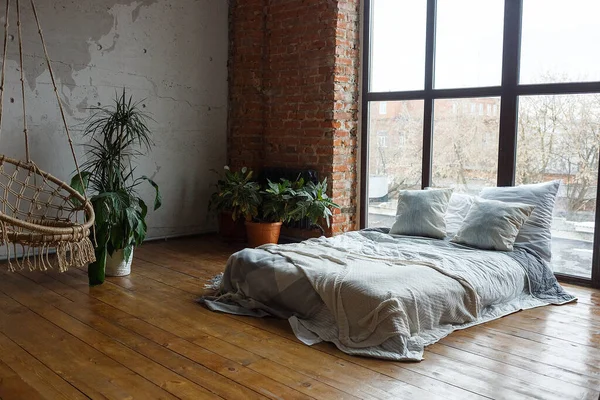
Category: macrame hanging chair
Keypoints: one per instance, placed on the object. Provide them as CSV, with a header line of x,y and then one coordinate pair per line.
x,y
40,214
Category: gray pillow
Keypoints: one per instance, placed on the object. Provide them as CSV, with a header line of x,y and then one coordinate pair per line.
x,y
421,213
458,207
535,234
492,225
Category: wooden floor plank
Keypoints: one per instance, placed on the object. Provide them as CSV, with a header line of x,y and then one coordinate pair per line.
x,y
545,386
538,352
144,336
87,369
12,386
35,374
584,295
489,351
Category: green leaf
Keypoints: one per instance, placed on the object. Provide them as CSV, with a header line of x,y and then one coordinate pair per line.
x,y
157,197
127,252
80,184
76,182
143,207
117,237
140,233
132,218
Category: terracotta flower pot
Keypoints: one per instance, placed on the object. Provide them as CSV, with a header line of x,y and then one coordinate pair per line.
x,y
260,233
230,230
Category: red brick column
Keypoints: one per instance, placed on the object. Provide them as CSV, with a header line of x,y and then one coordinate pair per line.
x,y
248,101
294,91
344,175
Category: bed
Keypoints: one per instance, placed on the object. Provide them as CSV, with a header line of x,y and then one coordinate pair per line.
x,y
384,294
380,295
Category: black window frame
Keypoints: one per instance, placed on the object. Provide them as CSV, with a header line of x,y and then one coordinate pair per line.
x,y
508,92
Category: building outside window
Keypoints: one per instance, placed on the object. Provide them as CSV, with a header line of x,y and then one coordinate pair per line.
x,y
382,139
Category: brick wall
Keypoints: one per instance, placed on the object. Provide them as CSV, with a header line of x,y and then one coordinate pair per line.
x,y
248,100
294,91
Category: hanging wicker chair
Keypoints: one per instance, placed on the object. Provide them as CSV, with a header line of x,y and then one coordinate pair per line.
x,y
40,214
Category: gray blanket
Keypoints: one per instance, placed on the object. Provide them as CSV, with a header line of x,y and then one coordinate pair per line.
x,y
381,295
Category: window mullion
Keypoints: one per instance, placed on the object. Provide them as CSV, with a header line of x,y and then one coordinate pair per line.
x,y
364,122
509,100
428,106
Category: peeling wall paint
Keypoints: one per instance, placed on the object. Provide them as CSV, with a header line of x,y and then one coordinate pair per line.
x,y
172,53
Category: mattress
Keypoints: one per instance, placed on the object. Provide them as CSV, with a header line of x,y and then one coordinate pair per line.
x,y
381,295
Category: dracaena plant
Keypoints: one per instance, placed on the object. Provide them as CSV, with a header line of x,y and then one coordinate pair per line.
x,y
117,135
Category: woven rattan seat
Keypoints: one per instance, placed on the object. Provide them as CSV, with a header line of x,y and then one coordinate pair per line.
x,y
40,214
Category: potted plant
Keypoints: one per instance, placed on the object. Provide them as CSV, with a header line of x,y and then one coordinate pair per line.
x,y
277,204
237,197
118,134
313,204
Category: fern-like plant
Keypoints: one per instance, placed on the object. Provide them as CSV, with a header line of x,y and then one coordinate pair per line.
x,y
118,134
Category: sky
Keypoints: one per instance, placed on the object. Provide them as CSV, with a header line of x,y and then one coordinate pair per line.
x,y
560,38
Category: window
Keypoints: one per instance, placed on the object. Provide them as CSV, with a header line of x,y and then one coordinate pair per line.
x,y
383,108
560,41
399,34
495,92
559,138
382,139
395,155
464,158
468,47
401,139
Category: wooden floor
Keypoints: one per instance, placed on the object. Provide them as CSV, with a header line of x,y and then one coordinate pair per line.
x,y
144,337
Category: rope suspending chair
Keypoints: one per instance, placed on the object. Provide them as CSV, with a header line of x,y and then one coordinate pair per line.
x,y
39,213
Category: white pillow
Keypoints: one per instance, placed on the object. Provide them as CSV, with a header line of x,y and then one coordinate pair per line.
x,y
492,225
535,234
458,207
421,213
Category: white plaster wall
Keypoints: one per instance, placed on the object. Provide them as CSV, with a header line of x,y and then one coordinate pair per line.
x,y
172,53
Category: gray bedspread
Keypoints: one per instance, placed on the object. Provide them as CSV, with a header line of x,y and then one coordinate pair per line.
x,y
381,295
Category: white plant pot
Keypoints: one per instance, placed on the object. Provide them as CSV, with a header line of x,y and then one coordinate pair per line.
x,y
117,265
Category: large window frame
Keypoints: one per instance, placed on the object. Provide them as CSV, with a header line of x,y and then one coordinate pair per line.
x,y
508,91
